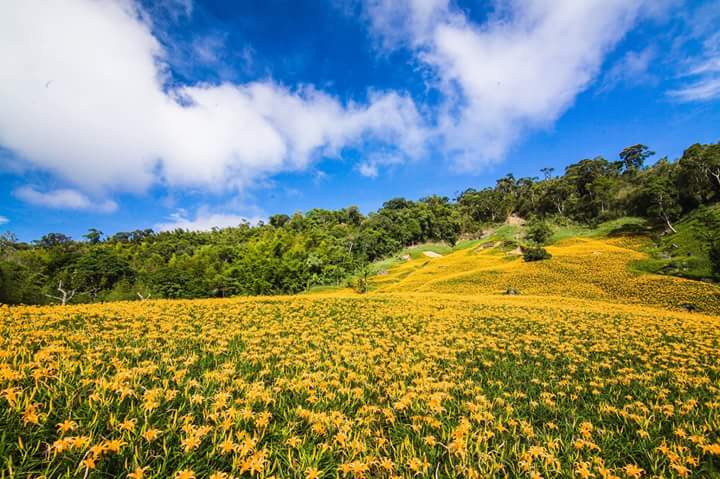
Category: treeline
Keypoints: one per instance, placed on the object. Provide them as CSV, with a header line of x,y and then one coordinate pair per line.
x,y
290,254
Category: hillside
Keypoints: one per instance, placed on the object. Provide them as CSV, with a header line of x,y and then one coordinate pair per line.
x,y
685,252
599,265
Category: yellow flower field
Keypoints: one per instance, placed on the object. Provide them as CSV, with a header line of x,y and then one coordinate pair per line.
x,y
596,269
350,386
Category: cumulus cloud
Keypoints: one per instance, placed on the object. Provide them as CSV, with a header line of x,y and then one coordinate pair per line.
x,y
519,70
204,220
67,199
86,97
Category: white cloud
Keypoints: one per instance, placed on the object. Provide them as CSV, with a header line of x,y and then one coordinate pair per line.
x,y
371,166
631,69
3,220
204,220
368,169
64,199
700,71
519,70
705,74
711,65
702,90
406,23
85,97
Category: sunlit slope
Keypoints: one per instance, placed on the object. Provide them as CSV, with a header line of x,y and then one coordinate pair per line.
x,y
585,268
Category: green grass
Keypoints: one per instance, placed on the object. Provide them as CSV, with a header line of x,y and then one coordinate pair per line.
x,y
506,233
627,224
685,253
325,288
467,244
416,252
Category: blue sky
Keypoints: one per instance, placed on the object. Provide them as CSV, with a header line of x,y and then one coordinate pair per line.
x,y
121,114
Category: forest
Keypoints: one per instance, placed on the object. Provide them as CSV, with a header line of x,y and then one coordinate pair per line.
x,y
291,254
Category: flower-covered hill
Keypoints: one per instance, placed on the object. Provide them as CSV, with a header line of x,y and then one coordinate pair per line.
x,y
586,268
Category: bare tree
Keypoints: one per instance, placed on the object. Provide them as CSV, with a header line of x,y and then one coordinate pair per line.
x,y
143,298
66,295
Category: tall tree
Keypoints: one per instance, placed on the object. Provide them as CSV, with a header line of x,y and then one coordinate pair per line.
x,y
700,173
633,157
93,236
661,193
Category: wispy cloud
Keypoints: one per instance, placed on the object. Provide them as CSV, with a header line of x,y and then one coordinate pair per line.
x,y
3,220
204,220
371,166
632,69
67,199
704,83
701,90
699,79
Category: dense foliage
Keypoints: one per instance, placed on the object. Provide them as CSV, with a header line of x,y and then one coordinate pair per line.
x,y
539,232
715,258
535,253
290,254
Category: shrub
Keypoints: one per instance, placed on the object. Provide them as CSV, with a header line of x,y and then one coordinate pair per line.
x,y
360,283
539,232
535,253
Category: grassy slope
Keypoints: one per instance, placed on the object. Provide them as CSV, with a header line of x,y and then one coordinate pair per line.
x,y
608,228
685,253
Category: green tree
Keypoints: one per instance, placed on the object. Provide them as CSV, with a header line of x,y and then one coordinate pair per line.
x,y
93,236
594,182
660,193
633,157
481,206
278,221
538,231
54,240
555,195
547,172
700,174
100,269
